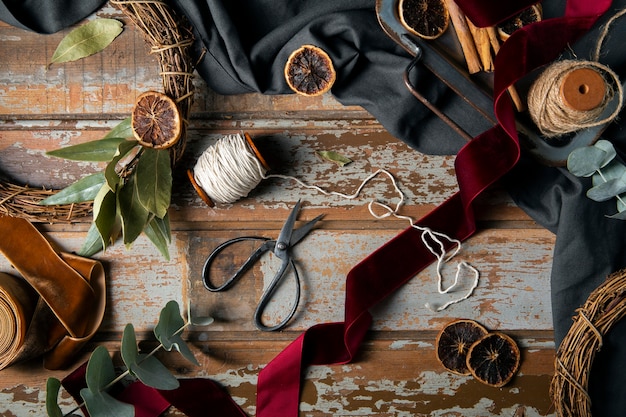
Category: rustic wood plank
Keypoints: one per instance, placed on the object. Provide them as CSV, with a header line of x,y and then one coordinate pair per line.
x,y
388,378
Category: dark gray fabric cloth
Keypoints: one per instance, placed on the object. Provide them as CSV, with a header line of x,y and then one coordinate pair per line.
x,y
46,16
247,43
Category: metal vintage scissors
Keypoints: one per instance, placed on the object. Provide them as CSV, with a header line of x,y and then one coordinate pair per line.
x,y
287,238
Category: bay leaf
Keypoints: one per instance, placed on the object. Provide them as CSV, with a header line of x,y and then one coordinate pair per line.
x,y
334,157
122,130
159,233
99,150
154,181
87,40
92,243
85,189
134,215
105,215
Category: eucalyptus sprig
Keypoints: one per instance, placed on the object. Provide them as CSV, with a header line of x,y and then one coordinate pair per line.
x,y
131,196
608,174
100,374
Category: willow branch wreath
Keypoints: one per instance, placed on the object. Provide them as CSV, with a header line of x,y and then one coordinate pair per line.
x,y
169,36
604,307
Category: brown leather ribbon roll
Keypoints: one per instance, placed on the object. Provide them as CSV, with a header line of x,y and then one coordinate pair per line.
x,y
54,307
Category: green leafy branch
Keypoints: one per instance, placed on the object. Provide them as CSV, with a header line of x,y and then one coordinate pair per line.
x,y
100,373
608,174
131,196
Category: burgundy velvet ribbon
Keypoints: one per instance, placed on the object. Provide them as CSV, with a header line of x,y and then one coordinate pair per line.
x,y
478,165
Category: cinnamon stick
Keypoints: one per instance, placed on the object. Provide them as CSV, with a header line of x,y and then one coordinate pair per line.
x,y
483,45
459,22
495,45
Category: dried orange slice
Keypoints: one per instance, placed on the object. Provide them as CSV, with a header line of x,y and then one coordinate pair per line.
x,y
309,71
454,341
156,120
494,359
529,15
427,19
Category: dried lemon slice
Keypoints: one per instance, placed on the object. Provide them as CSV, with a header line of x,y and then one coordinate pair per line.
x,y
156,120
494,359
309,71
427,19
453,342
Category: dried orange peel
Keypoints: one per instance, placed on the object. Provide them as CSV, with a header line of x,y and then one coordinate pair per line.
x,y
427,19
156,120
454,341
309,71
494,359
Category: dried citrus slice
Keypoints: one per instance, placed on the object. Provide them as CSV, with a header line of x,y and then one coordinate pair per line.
x,y
529,15
427,19
453,342
494,359
309,71
156,120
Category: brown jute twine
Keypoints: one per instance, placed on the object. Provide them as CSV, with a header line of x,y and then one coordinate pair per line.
x,y
604,307
551,113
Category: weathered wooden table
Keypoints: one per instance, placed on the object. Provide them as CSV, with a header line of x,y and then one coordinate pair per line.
x,y
396,372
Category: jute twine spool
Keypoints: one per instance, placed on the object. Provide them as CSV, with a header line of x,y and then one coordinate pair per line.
x,y
571,95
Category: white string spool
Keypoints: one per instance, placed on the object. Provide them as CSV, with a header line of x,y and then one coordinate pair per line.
x,y
231,168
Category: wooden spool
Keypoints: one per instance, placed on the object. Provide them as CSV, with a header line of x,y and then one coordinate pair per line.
x,y
583,89
203,195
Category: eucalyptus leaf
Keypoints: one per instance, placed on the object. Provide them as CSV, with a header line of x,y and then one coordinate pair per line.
x,y
105,215
621,203
129,350
99,150
100,370
123,129
167,331
92,243
618,216
615,169
334,157
159,233
153,373
154,180
133,214
85,189
87,40
607,147
102,404
198,321
53,385
607,190
584,161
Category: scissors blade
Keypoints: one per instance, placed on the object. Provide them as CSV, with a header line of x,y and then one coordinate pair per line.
x,y
284,238
300,233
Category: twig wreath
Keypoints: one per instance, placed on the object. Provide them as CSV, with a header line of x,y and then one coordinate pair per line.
x,y
169,37
604,307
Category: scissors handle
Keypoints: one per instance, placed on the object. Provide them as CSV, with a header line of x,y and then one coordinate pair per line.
x,y
269,292
266,246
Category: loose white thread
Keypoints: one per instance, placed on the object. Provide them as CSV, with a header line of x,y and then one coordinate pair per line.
x,y
228,170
